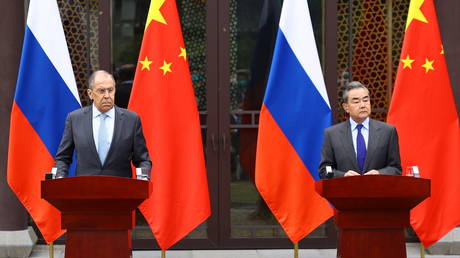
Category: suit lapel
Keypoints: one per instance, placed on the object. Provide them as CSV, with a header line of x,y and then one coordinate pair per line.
x,y
89,133
347,144
373,142
119,115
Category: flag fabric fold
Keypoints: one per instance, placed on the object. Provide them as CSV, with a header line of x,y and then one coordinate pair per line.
x,y
294,114
45,92
424,113
163,96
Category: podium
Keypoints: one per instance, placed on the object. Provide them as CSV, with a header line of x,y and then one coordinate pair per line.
x,y
372,211
97,212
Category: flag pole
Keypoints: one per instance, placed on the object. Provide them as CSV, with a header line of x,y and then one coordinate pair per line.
x,y
51,249
422,251
296,250
163,254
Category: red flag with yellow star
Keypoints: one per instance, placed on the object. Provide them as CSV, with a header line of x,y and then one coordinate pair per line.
x,y
424,113
163,96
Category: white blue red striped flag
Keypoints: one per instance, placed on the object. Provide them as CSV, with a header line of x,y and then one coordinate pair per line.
x,y
294,114
45,92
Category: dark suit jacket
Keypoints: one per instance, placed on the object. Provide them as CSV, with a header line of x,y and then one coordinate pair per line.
x,y
128,144
382,150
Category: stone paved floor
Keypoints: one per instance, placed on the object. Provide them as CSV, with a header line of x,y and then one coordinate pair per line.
x,y
413,251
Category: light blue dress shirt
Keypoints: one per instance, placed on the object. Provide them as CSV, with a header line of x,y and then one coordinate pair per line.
x,y
109,123
364,132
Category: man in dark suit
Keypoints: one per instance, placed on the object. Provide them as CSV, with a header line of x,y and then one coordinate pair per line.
x,y
360,145
106,138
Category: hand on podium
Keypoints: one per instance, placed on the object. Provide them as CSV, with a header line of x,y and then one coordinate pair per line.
x,y
351,173
372,172
354,173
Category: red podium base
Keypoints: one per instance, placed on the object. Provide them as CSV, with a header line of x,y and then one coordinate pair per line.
x,y
94,243
97,213
372,212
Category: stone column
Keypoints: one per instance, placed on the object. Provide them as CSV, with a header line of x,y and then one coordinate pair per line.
x,y
16,239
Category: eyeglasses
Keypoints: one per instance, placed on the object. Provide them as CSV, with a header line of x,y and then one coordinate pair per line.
x,y
103,91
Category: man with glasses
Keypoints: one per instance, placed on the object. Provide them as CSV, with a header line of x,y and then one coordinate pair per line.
x,y
105,138
360,145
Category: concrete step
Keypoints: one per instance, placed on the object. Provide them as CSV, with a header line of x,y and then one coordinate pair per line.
x,y
413,251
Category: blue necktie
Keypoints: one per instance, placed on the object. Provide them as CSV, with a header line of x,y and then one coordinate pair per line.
x,y
102,140
360,148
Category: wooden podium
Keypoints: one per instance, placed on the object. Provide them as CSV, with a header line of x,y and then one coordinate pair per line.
x,y
372,211
97,212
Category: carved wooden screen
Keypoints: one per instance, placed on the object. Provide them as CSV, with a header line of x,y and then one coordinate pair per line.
x,y
80,19
369,41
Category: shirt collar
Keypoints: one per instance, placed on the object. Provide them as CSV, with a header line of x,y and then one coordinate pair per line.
x,y
365,124
110,113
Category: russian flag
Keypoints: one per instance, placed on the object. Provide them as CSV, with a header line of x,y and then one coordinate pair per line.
x,y
45,92
294,114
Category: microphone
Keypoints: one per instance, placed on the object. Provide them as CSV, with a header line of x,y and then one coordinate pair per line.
x,y
329,173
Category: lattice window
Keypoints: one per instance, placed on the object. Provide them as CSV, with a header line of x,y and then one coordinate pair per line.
x,y
369,41
80,20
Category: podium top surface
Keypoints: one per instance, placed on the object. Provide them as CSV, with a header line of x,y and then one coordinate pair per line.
x,y
95,187
374,191
374,186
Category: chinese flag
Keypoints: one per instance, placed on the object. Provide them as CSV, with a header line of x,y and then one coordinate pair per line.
x,y
163,96
423,111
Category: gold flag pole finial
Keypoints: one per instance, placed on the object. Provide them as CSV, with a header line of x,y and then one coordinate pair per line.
x,y
51,248
296,250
